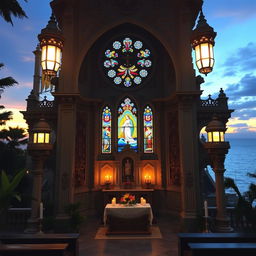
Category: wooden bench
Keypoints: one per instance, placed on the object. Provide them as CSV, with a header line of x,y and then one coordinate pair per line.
x,y
33,249
222,249
186,238
70,239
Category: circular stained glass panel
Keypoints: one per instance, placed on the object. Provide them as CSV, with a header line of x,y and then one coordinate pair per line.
x,y
127,62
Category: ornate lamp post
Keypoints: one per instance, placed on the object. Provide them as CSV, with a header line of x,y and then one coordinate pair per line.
x,y
202,41
51,44
39,147
217,149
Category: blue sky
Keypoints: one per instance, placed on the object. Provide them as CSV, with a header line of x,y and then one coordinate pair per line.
x,y
234,71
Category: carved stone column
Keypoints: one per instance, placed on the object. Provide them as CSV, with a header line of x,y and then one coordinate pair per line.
x,y
38,159
37,72
188,138
217,153
66,138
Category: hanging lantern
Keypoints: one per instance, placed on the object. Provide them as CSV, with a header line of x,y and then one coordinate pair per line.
x,y
51,44
215,131
202,41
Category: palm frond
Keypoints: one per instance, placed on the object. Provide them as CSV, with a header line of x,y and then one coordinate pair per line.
x,y
230,183
9,8
7,82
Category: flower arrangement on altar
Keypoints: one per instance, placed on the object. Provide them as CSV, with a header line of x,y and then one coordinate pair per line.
x,y
127,199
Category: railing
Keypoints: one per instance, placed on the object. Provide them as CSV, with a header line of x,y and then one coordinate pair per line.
x,y
44,105
16,219
241,225
210,102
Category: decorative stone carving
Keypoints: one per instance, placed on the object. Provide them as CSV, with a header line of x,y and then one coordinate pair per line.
x,y
174,149
80,152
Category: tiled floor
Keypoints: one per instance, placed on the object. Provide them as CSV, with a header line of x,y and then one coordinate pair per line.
x,y
168,245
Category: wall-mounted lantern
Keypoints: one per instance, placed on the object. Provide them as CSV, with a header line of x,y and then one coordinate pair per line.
x,y
202,41
51,44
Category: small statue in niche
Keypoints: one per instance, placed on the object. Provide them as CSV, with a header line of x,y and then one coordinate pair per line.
x,y
127,170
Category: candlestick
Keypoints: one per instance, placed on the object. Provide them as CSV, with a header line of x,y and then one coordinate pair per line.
x,y
41,212
205,209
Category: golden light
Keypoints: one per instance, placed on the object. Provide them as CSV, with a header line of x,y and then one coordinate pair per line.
x,y
51,44
147,179
215,131
202,41
41,133
51,56
108,178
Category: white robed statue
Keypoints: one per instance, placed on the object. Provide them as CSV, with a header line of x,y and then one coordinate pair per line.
x,y
127,130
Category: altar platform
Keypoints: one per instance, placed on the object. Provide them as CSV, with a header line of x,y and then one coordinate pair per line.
x,y
167,245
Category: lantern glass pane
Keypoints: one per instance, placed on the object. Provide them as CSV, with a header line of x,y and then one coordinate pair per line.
x,y
211,50
40,137
35,138
206,63
43,56
205,51
209,134
197,51
43,65
50,65
57,66
47,138
58,55
51,54
222,138
216,136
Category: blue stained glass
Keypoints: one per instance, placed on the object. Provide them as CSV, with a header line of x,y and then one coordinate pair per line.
x,y
148,130
106,130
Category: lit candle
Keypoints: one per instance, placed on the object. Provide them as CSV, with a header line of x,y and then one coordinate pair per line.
x,y
145,201
205,209
41,212
141,200
107,178
113,201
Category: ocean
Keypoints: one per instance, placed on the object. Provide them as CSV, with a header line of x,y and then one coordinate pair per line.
x,y
240,160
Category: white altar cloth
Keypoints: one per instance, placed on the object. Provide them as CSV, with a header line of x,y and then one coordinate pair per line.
x,y
128,212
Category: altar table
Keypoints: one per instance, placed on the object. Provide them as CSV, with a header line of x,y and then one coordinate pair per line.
x,y
128,219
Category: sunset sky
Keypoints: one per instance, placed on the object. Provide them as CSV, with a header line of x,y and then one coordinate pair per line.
x,y
234,71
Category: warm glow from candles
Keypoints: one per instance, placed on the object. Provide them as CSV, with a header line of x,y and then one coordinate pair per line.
x,y
108,178
147,178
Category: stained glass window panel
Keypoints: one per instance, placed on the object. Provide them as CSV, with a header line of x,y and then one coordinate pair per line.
x,y
127,62
106,130
148,130
127,125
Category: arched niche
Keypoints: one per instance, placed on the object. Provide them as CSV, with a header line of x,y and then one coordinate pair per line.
x,y
93,82
107,174
148,174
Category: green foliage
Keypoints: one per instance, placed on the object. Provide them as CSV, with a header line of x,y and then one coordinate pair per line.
x,y
7,189
75,217
244,207
9,8
12,157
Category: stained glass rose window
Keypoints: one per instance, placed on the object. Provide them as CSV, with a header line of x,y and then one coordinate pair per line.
x,y
127,62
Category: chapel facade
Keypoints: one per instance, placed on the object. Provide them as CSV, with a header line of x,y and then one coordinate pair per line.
x,y
127,111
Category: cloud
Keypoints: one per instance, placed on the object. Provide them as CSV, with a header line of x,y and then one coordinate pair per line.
x,y
244,59
28,59
245,87
234,9
230,73
239,125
